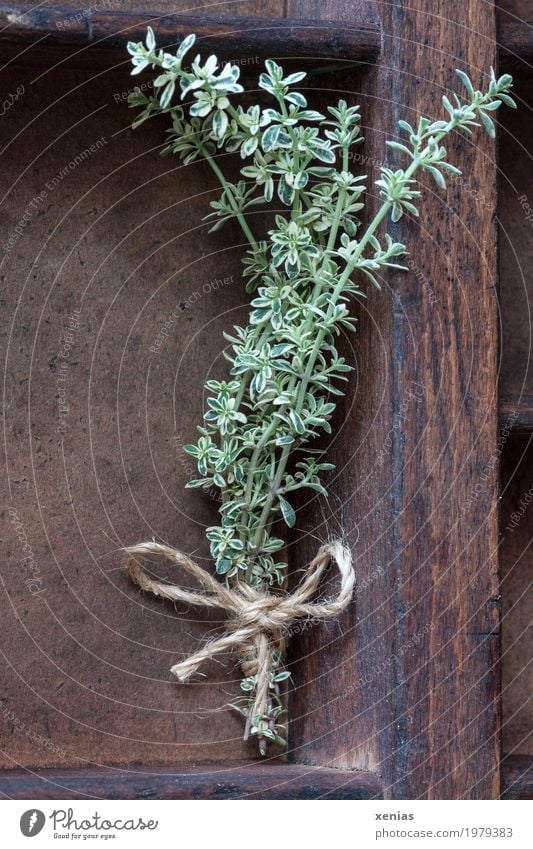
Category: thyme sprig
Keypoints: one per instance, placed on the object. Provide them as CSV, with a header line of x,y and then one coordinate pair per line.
x,y
285,370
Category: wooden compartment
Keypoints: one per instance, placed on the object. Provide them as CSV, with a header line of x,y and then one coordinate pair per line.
x,y
115,304
115,300
515,201
517,596
515,216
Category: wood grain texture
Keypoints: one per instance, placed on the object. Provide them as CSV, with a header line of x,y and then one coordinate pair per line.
x,y
515,214
516,411
509,9
415,696
517,777
517,595
111,23
228,781
93,221
515,39
336,705
97,411
516,407
107,32
515,34
404,684
202,7
446,691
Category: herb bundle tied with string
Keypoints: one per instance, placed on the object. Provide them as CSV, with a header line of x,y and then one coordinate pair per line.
x,y
255,443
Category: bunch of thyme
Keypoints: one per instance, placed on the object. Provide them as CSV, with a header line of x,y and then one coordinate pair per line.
x,y
285,370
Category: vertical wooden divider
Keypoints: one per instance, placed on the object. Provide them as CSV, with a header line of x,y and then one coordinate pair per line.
x,y
407,683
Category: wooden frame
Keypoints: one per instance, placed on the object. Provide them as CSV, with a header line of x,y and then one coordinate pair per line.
x,y
428,725
257,781
105,31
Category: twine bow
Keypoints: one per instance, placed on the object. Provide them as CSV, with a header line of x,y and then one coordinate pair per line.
x,y
258,619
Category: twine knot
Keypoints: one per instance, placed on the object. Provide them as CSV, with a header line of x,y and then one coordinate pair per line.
x,y
258,620
264,613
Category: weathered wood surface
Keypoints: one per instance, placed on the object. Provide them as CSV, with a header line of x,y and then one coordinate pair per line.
x,y
515,39
258,27
445,692
405,683
517,595
408,685
510,9
114,231
516,411
515,214
203,7
106,262
335,703
104,31
515,34
228,781
517,777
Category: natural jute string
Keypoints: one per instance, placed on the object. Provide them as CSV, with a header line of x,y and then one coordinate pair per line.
x,y
258,619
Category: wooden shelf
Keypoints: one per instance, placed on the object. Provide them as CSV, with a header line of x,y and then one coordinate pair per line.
x,y
240,781
70,33
517,777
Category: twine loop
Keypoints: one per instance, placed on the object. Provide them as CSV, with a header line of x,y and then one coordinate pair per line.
x,y
258,620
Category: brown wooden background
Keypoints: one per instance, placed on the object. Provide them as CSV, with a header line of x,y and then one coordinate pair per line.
x,y
406,685
119,237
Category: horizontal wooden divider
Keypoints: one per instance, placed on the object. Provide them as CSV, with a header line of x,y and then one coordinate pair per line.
x,y
72,32
237,781
516,413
